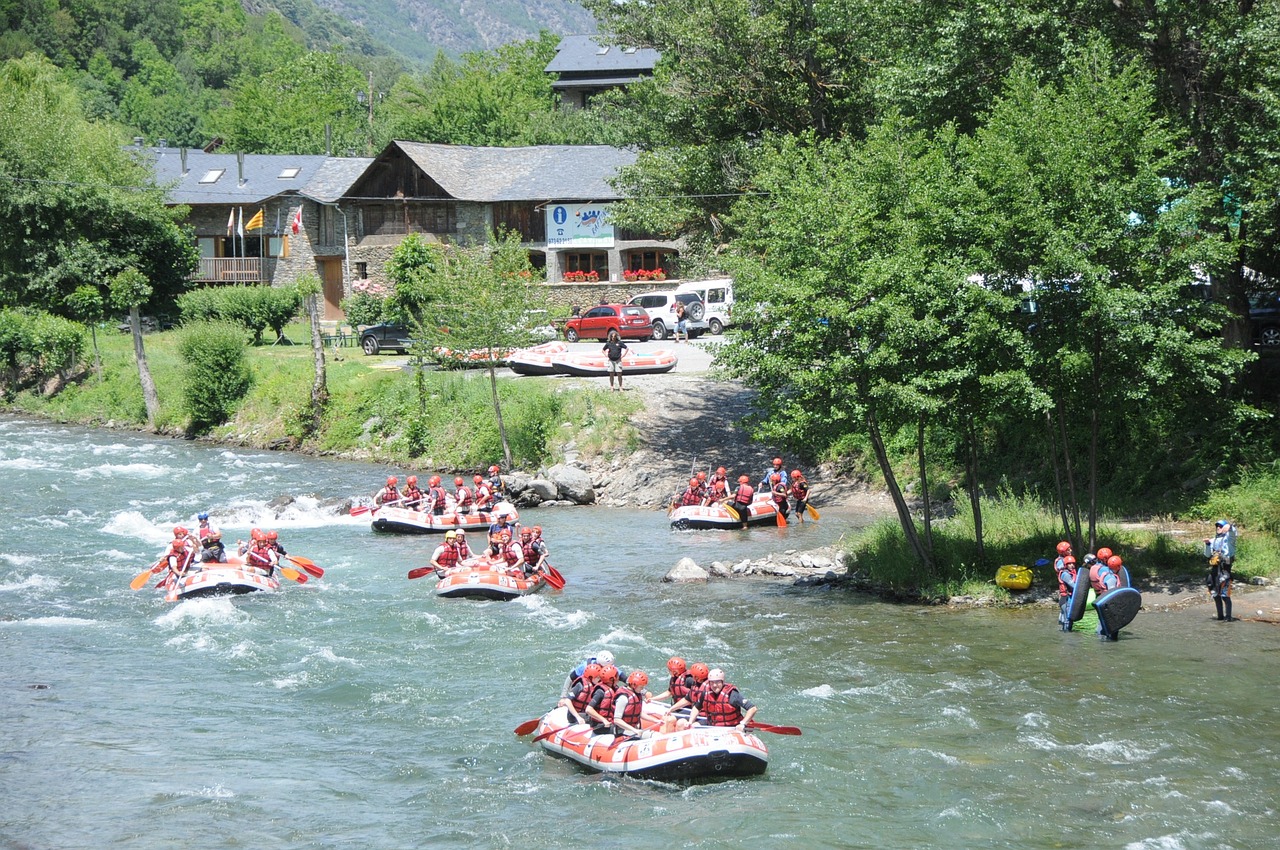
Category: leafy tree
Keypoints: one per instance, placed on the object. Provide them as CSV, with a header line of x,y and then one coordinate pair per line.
x,y
87,305
310,288
216,376
130,290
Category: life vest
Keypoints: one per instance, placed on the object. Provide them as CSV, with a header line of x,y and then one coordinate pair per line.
x,y
719,488
448,557
606,702
387,494
531,552
1063,589
412,496
680,687
635,703
690,497
463,497
463,549
800,490
484,496
437,500
495,484
716,709
260,558
779,493
512,554
744,494
582,696
1098,577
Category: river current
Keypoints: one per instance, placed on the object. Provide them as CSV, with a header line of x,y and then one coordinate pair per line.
x,y
360,711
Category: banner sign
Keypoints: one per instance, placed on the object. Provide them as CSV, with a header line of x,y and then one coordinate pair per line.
x,y
579,226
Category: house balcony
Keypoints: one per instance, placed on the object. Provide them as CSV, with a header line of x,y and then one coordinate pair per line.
x,y
232,270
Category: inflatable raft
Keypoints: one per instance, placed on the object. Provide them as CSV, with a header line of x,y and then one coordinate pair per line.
x,y
763,511
597,365
1013,577
482,578
703,752
538,360
405,521
219,580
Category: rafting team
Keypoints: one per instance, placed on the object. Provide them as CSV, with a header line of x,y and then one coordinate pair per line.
x,y
524,556
1105,566
600,695
478,499
189,549
703,491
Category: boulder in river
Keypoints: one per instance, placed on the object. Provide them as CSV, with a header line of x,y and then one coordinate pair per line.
x,y
686,570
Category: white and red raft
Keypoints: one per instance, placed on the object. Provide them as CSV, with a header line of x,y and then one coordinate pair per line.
x,y
698,753
482,578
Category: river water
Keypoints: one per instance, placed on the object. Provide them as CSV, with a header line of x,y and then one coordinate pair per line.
x,y
360,711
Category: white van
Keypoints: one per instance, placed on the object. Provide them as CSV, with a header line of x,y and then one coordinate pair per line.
x,y
717,300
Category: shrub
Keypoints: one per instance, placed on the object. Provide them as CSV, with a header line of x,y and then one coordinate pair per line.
x,y
255,308
216,376
35,345
366,305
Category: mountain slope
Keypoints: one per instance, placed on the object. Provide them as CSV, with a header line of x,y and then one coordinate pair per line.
x,y
418,28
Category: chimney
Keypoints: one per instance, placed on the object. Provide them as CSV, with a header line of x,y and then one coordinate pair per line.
x,y
160,143
138,141
240,168
183,153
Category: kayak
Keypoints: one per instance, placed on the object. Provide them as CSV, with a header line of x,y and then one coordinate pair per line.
x,y
482,578
763,511
597,365
405,521
538,360
219,580
702,752
1013,577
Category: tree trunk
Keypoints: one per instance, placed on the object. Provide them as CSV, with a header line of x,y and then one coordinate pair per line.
x,y
1057,474
975,489
319,385
97,355
1072,493
895,492
497,411
924,485
1093,452
149,397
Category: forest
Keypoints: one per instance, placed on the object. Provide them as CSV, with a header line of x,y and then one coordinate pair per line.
x,y
986,244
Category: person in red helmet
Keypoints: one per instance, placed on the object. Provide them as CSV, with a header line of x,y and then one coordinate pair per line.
x,y
260,555
496,486
681,683
181,554
388,494
600,706
799,492
778,490
692,494
579,692
628,704
1097,569
273,541
1068,575
436,496
462,501
411,496
483,495
717,487
742,498
721,704
777,467
535,554
697,684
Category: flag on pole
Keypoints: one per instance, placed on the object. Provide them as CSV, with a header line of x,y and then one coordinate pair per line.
x,y
255,223
231,222
276,232
297,221
240,227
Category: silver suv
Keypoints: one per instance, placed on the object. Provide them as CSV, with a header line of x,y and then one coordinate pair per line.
x,y
661,307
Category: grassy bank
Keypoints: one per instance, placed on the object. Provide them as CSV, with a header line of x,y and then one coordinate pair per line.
x,y
373,413
1019,530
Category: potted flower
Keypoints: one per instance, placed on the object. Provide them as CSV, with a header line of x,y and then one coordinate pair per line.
x,y
643,274
593,276
659,274
630,275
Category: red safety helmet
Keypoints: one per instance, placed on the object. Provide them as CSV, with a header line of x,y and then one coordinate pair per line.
x,y
537,529
478,479
777,461
1070,560
701,476
1114,561
795,473
411,481
494,468
609,674
457,482
638,679
526,532
179,531
743,479
592,671
693,482
676,665
775,476
256,534
699,672
273,535
720,470
1104,553
392,481
1064,547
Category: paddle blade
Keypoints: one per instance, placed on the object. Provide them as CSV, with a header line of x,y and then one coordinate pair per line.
x,y
813,512
291,573
777,730
420,572
140,580
553,577
359,510
733,512
527,727
307,564
782,521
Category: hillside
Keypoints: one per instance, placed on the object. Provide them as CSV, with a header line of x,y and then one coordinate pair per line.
x,y
417,28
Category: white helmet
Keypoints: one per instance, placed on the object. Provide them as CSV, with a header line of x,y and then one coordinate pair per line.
x,y
604,658
715,675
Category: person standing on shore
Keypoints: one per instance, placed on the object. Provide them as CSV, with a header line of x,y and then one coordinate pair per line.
x,y
1221,552
799,492
614,348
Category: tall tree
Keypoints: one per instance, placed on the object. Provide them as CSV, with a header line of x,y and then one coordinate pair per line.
x,y
129,291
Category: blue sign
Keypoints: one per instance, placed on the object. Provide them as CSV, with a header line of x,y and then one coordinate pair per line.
x,y
559,215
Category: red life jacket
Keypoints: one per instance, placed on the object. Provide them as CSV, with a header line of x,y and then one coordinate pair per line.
x,y
412,495
606,702
779,492
449,557
484,496
680,688
719,488
463,495
716,709
800,489
437,498
258,558
1095,580
531,553
630,711
1074,574
744,495
388,494
509,552
690,497
583,696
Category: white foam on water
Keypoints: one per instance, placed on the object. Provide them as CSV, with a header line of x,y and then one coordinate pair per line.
x,y
1039,742
214,610
297,680
116,555
427,616
1115,750
327,654
553,617
243,649
123,449
959,712
240,461
1178,841
619,636
55,523
17,560
52,622
125,470
134,524
302,512
942,757
1034,720
217,792
821,691
31,582
1220,807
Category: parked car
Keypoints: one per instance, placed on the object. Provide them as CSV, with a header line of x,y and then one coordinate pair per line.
x,y
631,323
661,307
1264,315
717,298
385,338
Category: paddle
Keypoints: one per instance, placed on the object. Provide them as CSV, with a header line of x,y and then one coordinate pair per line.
x,y
782,521
553,577
812,511
777,730
733,512
419,572
528,726
307,564
552,732
359,510
141,579
291,573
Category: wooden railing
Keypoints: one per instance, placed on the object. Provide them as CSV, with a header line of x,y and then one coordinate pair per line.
x,y
229,270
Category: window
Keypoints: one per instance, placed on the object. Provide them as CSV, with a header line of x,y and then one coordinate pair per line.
x,y
586,261
599,313
637,260
212,175
278,246
715,296
362,271
396,219
208,246
290,173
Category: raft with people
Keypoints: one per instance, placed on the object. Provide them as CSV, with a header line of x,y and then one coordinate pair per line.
x,y
698,752
488,578
231,578
397,520
762,511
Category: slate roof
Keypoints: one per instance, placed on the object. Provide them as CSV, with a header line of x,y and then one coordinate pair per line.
x,y
580,54
539,173
262,175
334,177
